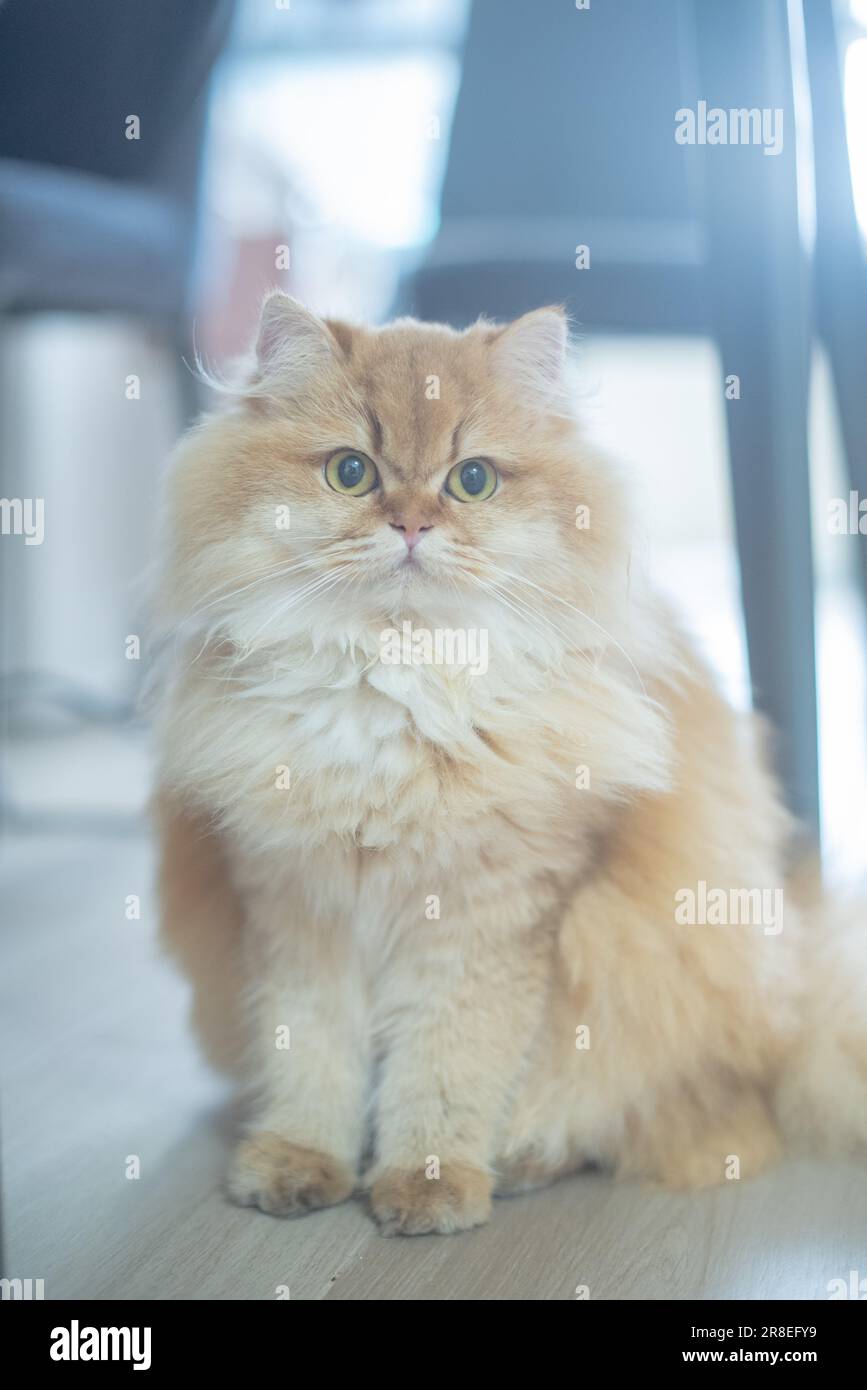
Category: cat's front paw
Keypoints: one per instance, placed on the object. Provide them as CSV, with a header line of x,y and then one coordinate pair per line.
x,y
286,1179
406,1202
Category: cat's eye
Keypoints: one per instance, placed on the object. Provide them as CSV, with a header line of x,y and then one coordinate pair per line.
x,y
351,473
472,481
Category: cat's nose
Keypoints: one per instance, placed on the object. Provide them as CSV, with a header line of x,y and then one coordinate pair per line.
x,y
412,534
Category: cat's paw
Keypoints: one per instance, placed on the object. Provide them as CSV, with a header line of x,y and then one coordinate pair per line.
x,y
405,1202
285,1179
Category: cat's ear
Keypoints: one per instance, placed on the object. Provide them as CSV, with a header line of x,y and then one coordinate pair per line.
x,y
292,345
532,352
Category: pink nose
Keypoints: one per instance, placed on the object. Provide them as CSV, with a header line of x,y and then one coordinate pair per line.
x,y
411,534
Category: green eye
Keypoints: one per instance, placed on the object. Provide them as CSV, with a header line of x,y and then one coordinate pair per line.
x,y
472,481
351,473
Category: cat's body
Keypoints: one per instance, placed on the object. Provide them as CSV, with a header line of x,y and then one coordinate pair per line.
x,y
431,912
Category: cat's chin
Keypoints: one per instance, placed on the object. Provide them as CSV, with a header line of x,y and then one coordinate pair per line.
x,y
418,586
411,574
420,583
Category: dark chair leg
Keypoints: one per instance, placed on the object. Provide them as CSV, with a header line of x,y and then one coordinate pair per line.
x,y
760,306
841,270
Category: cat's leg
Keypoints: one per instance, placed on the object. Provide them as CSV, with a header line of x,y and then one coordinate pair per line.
x,y
470,1002
558,1123
308,1062
201,927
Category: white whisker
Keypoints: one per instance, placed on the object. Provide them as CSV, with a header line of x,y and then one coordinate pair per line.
x,y
521,579
306,591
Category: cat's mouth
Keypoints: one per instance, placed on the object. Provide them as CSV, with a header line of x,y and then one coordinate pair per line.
x,y
411,565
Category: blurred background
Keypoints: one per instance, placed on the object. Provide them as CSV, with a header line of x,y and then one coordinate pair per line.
x,y
163,164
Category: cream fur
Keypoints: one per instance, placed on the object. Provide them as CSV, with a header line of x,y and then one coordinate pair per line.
x,y
449,1045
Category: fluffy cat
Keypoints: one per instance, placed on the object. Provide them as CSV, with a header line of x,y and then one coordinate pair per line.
x,y
433,913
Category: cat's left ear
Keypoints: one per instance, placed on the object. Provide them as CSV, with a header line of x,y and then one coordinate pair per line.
x,y
532,351
292,345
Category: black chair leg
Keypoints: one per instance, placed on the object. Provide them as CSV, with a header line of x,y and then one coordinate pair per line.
x,y
841,270
760,306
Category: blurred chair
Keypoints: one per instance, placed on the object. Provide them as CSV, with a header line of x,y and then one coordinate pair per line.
x,y
840,266
563,136
91,220
101,227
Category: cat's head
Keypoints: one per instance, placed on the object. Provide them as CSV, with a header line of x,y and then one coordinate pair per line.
x,y
412,470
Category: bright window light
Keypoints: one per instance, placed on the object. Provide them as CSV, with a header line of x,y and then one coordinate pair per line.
x,y
362,142
855,89
858,9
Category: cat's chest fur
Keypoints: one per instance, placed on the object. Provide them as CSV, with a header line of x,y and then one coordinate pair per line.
x,y
324,747
374,754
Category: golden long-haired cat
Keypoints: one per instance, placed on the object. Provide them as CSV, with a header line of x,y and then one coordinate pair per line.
x,y
476,877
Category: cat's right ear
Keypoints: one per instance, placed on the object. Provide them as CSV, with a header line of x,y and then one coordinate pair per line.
x,y
532,350
292,345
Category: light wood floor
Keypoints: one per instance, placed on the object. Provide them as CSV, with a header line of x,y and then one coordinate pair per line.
x,y
97,1067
